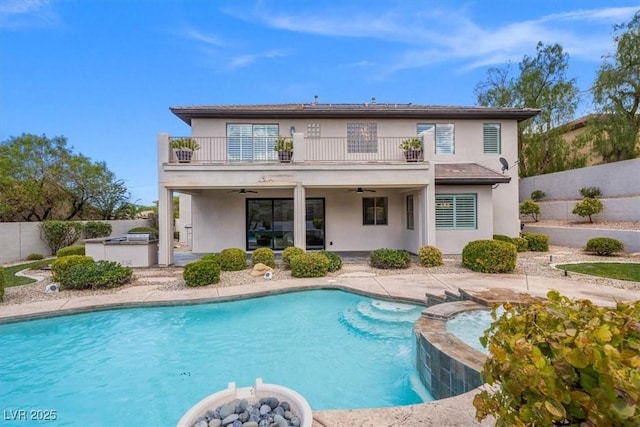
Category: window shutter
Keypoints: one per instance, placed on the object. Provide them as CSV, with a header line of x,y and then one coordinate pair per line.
x,y
491,138
444,211
444,138
456,211
466,211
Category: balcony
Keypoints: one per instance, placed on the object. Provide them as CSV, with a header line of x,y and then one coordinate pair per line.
x,y
331,150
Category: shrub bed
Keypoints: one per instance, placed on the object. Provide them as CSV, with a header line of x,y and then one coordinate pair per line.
x,y
502,238
35,257
143,230
70,250
489,256
604,246
289,253
205,271
335,262
94,229
537,242
430,256
312,264
96,275
233,259
264,256
60,265
211,257
389,258
2,284
522,245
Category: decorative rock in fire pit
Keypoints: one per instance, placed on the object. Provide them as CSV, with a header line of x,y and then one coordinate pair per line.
x,y
262,405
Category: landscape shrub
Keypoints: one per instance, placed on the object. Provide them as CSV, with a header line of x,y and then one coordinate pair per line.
x,y
537,195
530,208
34,257
95,275
95,229
490,256
430,256
2,284
70,250
205,271
522,244
311,264
562,362
59,234
588,207
289,253
537,242
503,238
590,192
151,230
604,246
60,265
211,257
233,259
335,262
389,258
264,256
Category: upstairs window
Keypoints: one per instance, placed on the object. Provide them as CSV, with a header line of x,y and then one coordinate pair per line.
x,y
313,130
456,211
362,137
441,133
249,142
491,138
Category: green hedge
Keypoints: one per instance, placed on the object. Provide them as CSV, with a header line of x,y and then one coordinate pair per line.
x,y
96,275
60,265
502,238
289,253
604,246
2,284
205,271
389,258
70,250
94,229
430,256
335,262
522,244
311,264
264,256
233,259
490,256
537,242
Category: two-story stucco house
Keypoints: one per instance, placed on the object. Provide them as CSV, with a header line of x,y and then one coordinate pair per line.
x,y
349,185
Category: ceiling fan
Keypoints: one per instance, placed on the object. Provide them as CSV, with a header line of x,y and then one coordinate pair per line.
x,y
361,190
242,191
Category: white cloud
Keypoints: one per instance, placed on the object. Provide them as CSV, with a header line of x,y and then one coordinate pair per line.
x,y
247,59
15,14
207,39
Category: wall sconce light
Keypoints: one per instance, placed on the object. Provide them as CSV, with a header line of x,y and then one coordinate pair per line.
x,y
292,130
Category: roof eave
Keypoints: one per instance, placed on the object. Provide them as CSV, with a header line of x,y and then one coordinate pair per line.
x,y
472,181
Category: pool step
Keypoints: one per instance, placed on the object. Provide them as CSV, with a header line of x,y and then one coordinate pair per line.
x,y
449,296
381,319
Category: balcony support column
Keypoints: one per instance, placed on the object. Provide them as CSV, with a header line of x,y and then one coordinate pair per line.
x,y
299,216
299,147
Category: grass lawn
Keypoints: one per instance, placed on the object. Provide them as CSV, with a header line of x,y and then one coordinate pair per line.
x,y
612,270
10,273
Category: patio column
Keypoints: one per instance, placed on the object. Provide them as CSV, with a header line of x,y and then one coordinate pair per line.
x,y
165,227
428,193
299,217
299,147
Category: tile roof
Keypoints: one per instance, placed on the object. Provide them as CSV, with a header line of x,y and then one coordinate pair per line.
x,y
467,173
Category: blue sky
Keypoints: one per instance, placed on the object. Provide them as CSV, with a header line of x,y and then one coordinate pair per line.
x,y
104,73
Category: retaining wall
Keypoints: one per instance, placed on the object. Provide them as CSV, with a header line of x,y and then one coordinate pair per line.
x,y
576,237
20,239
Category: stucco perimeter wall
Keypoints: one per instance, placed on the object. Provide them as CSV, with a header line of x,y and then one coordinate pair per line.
x,y
619,183
577,237
20,239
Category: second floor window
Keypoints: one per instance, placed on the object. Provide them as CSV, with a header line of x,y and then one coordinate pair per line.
x,y
251,142
362,137
442,135
491,138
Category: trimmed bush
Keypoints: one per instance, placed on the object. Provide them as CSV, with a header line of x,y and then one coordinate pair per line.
x,y
2,284
389,258
34,257
70,250
530,208
590,192
537,242
562,362
264,256
490,256
143,230
588,207
211,257
233,259
289,253
430,256
522,245
503,238
59,234
60,265
95,275
312,264
335,262
94,229
537,195
205,271
604,246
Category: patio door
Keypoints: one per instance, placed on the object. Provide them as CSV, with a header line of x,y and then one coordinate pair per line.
x,y
270,223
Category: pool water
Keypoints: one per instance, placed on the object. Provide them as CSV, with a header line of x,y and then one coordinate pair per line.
x,y
148,366
470,326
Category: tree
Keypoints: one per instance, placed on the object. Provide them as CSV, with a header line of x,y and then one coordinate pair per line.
x,y
542,84
587,207
113,200
616,94
531,208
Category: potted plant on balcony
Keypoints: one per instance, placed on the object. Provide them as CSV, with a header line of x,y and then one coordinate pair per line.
x,y
412,149
284,147
184,148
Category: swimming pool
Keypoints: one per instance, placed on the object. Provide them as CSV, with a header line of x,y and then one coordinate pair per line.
x,y
470,326
150,365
